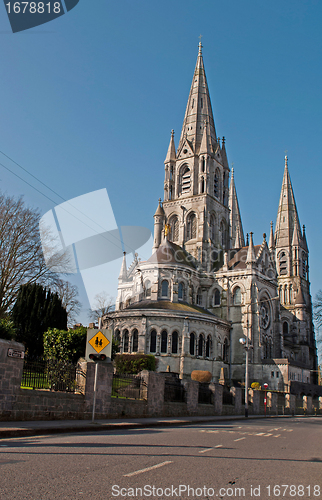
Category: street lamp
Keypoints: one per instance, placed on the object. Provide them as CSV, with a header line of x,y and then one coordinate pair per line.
x,y
245,343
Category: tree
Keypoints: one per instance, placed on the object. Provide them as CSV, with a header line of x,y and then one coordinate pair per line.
x,y
68,294
22,251
36,309
103,303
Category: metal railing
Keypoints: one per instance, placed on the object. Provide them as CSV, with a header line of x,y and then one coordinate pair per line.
x,y
205,395
174,390
51,374
128,386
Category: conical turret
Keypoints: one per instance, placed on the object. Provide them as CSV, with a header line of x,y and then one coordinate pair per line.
x,y
198,109
251,258
235,218
271,243
171,154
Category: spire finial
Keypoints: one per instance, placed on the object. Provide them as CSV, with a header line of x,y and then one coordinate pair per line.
x,y
200,46
172,133
286,159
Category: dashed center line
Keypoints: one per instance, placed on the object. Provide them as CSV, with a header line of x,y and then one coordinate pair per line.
x,y
259,434
277,435
268,434
148,469
239,439
204,451
219,446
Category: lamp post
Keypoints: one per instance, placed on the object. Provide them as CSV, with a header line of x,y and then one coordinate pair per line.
x,y
245,343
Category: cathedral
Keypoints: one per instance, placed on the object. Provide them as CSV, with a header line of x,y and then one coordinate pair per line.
x,y
206,291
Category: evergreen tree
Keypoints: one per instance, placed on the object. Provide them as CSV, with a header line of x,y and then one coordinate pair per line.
x,y
36,309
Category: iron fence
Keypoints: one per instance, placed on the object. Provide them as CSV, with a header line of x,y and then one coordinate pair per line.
x,y
205,395
128,386
228,398
51,374
174,390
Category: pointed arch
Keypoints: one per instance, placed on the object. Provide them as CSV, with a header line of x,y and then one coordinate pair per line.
x,y
153,341
174,228
192,344
191,226
135,340
217,183
185,179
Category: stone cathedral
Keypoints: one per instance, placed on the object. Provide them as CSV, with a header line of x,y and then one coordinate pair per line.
x,y
205,286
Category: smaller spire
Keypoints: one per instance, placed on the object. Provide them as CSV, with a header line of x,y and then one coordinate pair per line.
x,y
171,154
251,258
286,161
271,243
123,272
159,210
304,240
296,236
205,146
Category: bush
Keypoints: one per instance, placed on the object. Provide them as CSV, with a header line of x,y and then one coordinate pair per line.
x,y
7,329
201,376
255,386
134,363
65,344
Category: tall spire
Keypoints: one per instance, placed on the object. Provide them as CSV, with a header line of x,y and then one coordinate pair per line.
x,y
171,154
123,272
234,216
287,216
271,242
251,258
198,108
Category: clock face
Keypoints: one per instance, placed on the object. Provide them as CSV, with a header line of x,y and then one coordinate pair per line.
x,y
264,316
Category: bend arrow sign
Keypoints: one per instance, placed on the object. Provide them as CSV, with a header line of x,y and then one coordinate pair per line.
x,y
26,15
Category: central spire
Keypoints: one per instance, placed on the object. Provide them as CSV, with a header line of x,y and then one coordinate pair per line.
x,y
199,110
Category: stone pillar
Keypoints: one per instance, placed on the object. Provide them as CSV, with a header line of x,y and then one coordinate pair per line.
x,y
290,403
255,397
155,391
10,376
308,404
142,336
272,401
192,393
217,390
103,388
237,393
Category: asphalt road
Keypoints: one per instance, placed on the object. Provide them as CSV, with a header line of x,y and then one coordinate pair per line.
x,y
239,459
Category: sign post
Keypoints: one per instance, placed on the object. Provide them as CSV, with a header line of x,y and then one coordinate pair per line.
x,y
265,399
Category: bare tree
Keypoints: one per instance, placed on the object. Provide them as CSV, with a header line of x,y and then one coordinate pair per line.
x,y
68,294
21,253
103,303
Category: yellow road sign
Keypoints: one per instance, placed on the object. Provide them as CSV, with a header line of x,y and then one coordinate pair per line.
x,y
99,342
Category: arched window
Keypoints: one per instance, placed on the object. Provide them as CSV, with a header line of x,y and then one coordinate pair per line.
x,y
223,234
170,193
216,183
285,328
203,164
135,340
199,297
171,173
181,292
147,288
303,265
164,341
208,347
185,180
192,344
174,343
283,263
212,228
217,297
191,226
237,296
125,341
225,351
202,185
174,225
201,344
164,288
153,341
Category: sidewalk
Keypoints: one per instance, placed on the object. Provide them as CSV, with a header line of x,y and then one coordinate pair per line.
x,y
42,427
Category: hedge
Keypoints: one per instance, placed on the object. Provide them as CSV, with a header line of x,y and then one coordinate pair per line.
x,y
134,363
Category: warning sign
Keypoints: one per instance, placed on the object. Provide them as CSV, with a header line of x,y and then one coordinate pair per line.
x,y
99,341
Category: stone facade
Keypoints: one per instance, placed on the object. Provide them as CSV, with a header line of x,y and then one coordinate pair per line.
x,y
204,288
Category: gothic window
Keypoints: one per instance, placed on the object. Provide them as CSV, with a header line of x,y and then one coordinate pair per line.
x,y
225,351
203,164
153,341
164,288
202,185
285,328
208,347
181,292
125,341
135,340
217,297
174,349
192,344
164,341
290,293
171,173
185,180
237,296
285,294
191,226
174,225
212,228
201,103
224,190
223,234
283,263
269,348
201,343
303,265
216,183
170,193
199,297
147,289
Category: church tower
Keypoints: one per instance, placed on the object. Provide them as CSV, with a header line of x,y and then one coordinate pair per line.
x,y
196,186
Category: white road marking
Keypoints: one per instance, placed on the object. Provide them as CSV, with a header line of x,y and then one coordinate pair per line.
x,y
277,435
259,434
239,439
268,434
204,451
219,446
148,469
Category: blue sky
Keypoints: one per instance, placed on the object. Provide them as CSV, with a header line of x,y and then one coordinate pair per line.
x,y
89,101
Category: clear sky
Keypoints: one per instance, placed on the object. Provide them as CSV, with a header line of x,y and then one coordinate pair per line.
x,y
88,101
